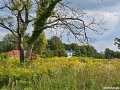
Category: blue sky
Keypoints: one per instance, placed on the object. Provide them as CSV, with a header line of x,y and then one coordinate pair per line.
x,y
110,9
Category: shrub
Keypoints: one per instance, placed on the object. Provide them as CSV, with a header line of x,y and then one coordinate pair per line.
x,y
4,56
48,53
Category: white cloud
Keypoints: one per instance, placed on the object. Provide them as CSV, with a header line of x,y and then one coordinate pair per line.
x,y
102,45
107,39
111,19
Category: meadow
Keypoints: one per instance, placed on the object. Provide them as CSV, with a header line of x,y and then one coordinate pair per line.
x,y
76,73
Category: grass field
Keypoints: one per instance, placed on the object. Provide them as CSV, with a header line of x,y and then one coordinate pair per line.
x,y
75,73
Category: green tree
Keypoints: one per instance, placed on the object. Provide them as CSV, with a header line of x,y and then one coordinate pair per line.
x,y
117,54
44,11
117,42
10,42
17,20
40,45
109,53
20,16
100,55
56,46
76,48
48,53
88,50
2,47
67,46
83,51
91,51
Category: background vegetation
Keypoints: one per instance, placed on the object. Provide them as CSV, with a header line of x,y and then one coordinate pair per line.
x,y
54,47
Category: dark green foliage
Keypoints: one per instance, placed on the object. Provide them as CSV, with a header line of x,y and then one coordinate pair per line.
x,y
110,54
40,45
92,51
100,55
85,50
117,54
88,51
48,53
117,42
56,46
76,48
10,42
116,84
2,47
4,56
46,10
67,46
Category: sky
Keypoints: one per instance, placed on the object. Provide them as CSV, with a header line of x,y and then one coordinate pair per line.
x,y
110,9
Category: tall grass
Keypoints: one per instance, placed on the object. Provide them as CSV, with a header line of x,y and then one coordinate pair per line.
x,y
75,73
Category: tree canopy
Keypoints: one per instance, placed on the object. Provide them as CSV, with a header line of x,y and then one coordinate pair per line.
x,y
57,47
40,45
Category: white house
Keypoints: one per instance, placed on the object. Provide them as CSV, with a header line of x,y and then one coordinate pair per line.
x,y
70,53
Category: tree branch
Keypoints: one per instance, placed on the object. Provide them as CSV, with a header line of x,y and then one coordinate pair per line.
x,y
5,27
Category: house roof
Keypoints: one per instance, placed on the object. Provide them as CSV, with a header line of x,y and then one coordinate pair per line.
x,y
14,53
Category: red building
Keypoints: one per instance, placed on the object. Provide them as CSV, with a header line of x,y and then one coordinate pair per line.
x,y
16,53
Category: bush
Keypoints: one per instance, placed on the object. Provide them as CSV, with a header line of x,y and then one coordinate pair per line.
x,y
4,55
48,53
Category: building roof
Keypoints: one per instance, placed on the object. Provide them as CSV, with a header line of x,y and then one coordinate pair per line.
x,y
14,53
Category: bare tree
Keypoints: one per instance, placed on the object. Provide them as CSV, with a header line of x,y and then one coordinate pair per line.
x,y
49,14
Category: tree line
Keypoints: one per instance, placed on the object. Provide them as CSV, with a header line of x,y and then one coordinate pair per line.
x,y
54,47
